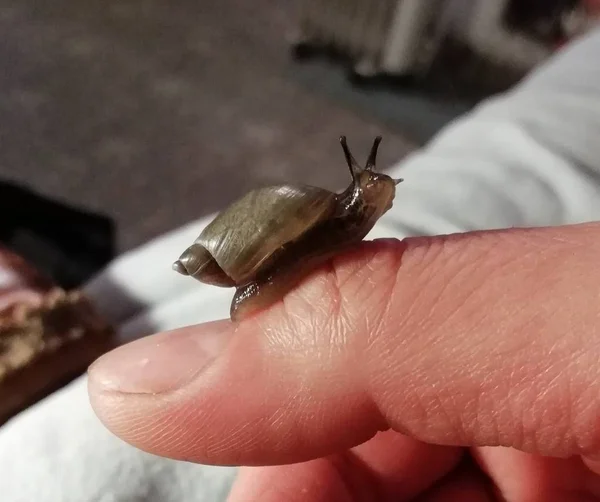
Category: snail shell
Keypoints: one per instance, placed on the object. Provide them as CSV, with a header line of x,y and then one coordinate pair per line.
x,y
268,240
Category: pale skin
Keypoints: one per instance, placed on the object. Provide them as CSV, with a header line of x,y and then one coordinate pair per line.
x,y
432,369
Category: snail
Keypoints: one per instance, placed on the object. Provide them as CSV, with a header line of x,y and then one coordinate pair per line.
x,y
267,241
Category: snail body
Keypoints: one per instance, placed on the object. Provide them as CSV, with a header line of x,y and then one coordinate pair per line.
x,y
265,242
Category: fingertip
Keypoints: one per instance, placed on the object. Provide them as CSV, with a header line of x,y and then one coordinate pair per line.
x,y
259,401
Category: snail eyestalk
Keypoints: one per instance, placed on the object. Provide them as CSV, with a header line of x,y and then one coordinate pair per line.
x,y
355,169
372,160
397,181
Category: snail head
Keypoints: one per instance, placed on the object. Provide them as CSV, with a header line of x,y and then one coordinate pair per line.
x,y
356,170
375,188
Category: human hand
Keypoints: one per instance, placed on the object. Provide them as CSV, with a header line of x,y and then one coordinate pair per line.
x,y
464,367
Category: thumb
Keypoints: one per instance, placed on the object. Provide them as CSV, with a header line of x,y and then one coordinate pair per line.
x,y
484,338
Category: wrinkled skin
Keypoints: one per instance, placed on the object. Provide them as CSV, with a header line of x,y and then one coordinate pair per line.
x,y
476,354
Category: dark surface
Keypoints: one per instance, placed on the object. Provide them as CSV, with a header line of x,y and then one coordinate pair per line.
x,y
158,112
66,244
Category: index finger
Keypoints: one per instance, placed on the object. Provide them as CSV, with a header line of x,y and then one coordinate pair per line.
x,y
486,338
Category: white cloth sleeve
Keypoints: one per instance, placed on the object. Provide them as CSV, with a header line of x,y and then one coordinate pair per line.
x,y
528,157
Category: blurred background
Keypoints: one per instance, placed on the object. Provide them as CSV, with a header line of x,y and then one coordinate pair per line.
x,y
124,119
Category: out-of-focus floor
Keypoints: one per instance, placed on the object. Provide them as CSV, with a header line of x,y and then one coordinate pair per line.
x,y
156,112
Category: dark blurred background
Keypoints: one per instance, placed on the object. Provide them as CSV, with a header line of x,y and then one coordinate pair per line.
x,y
123,119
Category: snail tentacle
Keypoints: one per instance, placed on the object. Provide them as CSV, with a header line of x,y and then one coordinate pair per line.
x,y
372,160
355,169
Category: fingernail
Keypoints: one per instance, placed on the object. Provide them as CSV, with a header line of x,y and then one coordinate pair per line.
x,y
163,362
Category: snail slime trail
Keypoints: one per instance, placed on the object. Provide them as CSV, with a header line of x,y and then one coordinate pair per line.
x,y
266,242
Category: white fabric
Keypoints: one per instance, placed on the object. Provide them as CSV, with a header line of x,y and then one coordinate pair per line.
x,y
529,157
